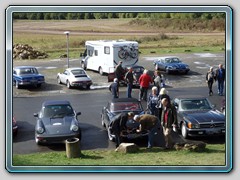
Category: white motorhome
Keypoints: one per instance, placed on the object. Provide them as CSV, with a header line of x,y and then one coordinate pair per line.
x,y
104,55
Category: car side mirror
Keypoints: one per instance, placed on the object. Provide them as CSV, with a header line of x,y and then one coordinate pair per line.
x,y
214,106
79,113
35,114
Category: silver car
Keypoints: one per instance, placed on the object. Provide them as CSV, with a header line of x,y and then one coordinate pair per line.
x,y
74,77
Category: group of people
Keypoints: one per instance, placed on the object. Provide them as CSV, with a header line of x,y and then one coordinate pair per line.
x,y
219,76
167,119
161,113
145,80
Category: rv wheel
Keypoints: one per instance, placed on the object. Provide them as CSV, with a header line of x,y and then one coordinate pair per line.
x,y
101,71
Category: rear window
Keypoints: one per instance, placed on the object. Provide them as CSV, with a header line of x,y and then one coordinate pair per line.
x,y
125,106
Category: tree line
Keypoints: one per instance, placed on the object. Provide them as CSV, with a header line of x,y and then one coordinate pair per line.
x,y
89,15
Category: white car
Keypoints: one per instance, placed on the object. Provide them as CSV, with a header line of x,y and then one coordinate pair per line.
x,y
74,77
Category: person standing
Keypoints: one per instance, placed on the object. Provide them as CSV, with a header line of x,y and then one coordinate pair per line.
x,y
114,88
158,81
168,121
149,123
152,102
118,124
220,77
163,94
210,79
119,72
129,79
144,82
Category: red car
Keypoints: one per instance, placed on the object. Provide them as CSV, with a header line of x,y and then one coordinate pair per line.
x,y
14,127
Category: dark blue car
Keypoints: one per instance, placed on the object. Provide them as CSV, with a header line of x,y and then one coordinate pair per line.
x,y
27,75
56,122
171,64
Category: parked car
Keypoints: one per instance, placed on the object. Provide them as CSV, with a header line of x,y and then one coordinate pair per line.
x,y
137,72
27,75
116,106
198,117
56,122
74,77
171,64
14,127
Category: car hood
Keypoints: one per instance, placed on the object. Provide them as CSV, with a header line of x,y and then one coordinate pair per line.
x,y
58,125
177,65
204,116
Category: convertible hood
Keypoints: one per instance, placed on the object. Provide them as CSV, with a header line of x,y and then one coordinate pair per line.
x,y
204,116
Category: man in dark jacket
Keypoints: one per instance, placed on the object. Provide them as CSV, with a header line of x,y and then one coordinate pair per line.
x,y
119,72
119,123
129,79
168,121
150,123
220,77
114,88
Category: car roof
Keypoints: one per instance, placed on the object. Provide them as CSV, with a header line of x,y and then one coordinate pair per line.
x,y
115,100
164,57
70,69
55,102
19,67
190,97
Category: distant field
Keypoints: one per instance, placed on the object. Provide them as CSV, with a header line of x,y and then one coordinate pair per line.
x,y
48,36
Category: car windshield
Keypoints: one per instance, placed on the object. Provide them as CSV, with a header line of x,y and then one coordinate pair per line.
x,y
195,104
78,72
172,60
125,106
54,111
22,71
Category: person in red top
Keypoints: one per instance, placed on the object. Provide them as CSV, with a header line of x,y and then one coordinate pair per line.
x,y
144,81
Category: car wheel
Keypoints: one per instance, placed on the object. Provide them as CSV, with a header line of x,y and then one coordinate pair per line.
x,y
109,135
59,80
184,130
167,71
68,85
103,124
39,85
88,87
100,71
38,142
17,85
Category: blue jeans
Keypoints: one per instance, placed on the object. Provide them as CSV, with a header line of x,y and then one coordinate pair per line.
x,y
129,90
151,134
220,87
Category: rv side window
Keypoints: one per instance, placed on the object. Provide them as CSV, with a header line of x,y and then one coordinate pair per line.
x,y
95,52
106,50
90,52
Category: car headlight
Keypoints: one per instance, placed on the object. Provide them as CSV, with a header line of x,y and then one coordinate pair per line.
x,y
187,67
40,130
193,126
74,128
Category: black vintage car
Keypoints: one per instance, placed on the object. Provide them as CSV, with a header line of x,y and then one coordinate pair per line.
x,y
116,106
198,117
56,122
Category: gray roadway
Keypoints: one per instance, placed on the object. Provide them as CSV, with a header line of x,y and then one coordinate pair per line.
x,y
90,104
